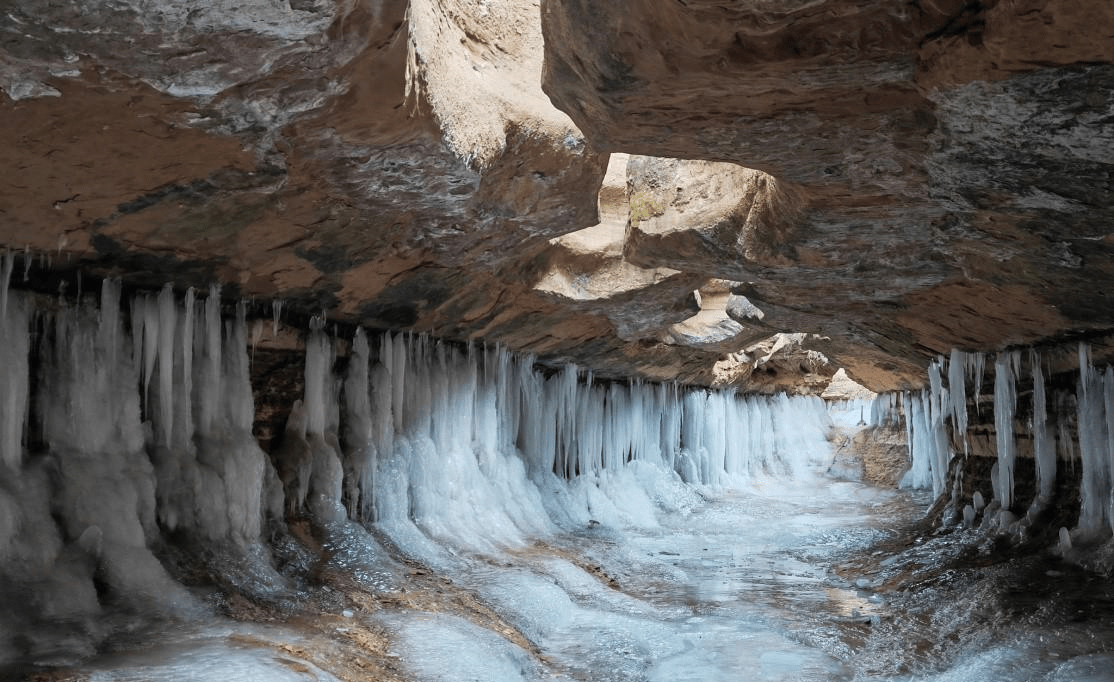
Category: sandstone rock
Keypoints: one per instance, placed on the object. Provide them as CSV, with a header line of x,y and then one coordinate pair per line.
x,y
587,270
718,218
921,142
891,180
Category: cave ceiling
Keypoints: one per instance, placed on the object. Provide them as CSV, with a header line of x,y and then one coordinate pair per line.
x,y
749,194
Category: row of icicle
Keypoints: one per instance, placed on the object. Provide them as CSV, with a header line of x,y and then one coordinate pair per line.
x,y
175,381
943,405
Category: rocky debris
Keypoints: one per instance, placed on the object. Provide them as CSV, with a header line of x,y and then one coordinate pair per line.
x,y
765,365
842,387
884,453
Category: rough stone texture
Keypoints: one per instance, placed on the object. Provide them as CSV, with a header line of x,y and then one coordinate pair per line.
x,y
953,159
885,180
707,216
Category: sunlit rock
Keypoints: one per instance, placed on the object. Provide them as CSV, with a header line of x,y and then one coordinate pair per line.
x,y
712,328
717,218
589,267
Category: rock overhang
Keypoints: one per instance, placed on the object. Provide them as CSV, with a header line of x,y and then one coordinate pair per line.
x,y
441,167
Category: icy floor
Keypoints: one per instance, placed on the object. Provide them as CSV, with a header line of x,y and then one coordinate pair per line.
x,y
739,587
229,653
724,591
730,585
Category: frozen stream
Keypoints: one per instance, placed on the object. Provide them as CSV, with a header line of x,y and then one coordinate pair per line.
x,y
727,585
729,589
722,585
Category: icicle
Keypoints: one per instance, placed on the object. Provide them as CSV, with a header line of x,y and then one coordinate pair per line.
x,y
734,462
671,424
361,462
318,363
5,282
936,409
958,395
167,319
1005,403
208,350
238,403
884,410
693,424
184,401
239,462
276,314
397,363
975,364
1095,483
256,337
920,443
109,316
14,376
1108,404
150,311
716,441
1044,451
1066,449
941,402
326,472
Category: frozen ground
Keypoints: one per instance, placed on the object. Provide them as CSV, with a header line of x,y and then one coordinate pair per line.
x,y
749,583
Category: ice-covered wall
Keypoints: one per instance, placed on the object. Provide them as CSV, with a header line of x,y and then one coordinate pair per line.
x,y
126,427
467,442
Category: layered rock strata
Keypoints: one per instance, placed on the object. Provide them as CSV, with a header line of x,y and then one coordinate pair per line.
x,y
939,173
890,180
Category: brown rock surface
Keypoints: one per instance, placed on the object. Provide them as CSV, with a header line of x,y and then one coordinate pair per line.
x,y
953,159
881,181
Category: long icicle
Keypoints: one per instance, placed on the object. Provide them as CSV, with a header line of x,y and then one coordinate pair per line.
x,y
1005,403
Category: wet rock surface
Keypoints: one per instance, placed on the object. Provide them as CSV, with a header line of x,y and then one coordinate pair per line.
x,y
970,602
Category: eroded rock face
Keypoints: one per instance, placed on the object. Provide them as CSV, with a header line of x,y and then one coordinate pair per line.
x,y
719,218
950,157
888,180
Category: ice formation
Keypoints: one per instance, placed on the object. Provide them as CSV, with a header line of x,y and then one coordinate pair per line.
x,y
931,413
140,422
130,431
886,409
1044,446
1006,369
138,425
929,450
1095,398
14,372
957,392
470,445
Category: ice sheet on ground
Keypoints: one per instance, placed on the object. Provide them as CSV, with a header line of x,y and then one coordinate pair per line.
x,y
439,647
205,660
